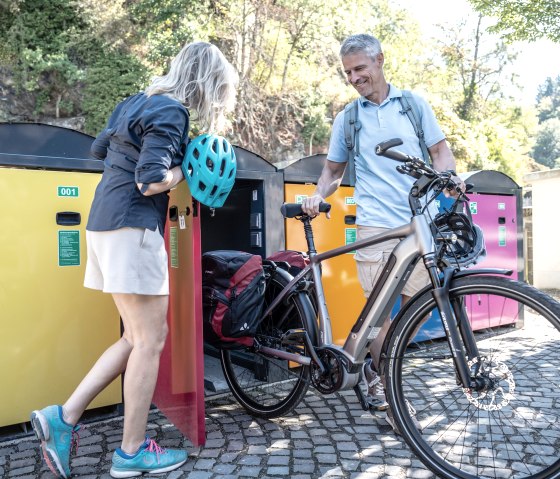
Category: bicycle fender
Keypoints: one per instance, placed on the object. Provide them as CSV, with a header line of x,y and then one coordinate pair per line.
x,y
471,272
311,327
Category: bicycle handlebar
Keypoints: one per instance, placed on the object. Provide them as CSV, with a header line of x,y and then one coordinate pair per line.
x,y
414,166
291,210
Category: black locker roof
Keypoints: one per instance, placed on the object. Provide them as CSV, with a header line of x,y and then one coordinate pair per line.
x,y
490,181
249,161
36,145
41,146
308,170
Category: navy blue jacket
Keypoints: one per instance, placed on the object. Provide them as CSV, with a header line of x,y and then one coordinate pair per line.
x,y
144,138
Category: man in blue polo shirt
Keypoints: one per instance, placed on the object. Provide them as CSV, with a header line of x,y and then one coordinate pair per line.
x,y
381,193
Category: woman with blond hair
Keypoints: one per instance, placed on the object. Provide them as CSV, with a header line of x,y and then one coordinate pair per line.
x,y
143,147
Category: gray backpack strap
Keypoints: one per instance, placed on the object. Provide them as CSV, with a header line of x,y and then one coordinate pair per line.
x,y
351,127
411,109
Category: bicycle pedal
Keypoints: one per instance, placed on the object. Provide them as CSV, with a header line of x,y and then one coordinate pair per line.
x,y
376,405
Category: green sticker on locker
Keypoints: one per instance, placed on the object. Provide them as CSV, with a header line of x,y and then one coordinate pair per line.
x,y
68,248
473,205
502,236
174,247
350,235
68,191
300,198
349,200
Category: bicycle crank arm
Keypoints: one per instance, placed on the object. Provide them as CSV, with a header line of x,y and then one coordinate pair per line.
x,y
279,354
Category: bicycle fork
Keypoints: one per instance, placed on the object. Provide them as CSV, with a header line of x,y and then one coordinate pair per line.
x,y
458,332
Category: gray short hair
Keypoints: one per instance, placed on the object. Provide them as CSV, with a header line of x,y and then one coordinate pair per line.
x,y
361,43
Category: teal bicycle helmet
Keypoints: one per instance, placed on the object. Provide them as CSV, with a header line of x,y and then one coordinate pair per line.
x,y
209,167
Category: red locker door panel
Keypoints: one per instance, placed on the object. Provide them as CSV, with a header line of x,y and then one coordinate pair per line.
x,y
180,388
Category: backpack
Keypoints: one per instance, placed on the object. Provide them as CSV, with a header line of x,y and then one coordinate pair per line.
x,y
233,286
294,260
352,125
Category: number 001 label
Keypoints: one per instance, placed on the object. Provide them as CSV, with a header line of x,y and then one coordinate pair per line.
x,y
72,191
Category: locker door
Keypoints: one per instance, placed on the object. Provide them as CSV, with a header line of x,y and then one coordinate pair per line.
x,y
180,388
53,329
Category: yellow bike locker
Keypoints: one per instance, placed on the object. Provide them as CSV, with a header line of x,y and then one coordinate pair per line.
x,y
52,328
345,298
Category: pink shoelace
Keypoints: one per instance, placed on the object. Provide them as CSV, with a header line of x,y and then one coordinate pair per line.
x,y
75,441
154,447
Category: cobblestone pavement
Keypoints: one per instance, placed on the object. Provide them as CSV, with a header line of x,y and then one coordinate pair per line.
x,y
326,436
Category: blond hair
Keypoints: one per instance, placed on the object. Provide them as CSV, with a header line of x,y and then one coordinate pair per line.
x,y
203,80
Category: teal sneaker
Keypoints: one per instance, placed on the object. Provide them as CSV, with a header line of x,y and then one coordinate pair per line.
x,y
149,458
56,438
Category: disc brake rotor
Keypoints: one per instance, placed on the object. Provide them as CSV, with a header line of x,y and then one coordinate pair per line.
x,y
501,385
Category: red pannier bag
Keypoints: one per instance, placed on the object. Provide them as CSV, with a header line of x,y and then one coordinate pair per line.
x,y
296,260
232,297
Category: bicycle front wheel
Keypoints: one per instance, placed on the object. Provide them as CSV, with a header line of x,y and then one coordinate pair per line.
x,y
511,429
265,386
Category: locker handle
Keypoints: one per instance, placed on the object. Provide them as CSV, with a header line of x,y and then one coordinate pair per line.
x,y
68,218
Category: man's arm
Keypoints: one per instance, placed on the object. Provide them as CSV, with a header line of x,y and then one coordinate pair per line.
x,y
443,159
327,184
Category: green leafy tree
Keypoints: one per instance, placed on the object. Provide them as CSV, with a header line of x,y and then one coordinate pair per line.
x,y
548,99
479,64
111,76
162,27
522,19
547,144
40,40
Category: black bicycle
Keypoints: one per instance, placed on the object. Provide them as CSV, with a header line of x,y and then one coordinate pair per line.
x,y
486,395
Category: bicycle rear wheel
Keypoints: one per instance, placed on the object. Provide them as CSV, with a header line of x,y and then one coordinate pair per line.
x,y
269,387
510,430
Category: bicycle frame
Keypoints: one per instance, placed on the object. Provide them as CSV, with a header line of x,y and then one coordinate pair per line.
x,y
416,241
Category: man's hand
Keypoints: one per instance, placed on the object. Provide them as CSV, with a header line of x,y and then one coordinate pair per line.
x,y
454,193
310,205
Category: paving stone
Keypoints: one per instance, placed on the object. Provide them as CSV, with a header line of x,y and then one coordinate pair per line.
x,y
250,471
21,471
278,471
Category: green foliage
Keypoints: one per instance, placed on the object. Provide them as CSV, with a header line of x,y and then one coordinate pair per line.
x,y
522,19
548,99
316,127
112,76
164,26
39,43
547,145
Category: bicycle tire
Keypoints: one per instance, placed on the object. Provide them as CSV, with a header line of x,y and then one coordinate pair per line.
x,y
512,430
269,387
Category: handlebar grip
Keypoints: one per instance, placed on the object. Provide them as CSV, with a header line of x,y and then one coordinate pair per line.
x,y
291,210
382,149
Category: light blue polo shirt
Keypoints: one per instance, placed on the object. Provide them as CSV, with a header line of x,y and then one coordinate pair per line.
x,y
381,192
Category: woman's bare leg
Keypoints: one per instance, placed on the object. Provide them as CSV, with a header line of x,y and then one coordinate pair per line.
x,y
146,318
138,352
110,365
